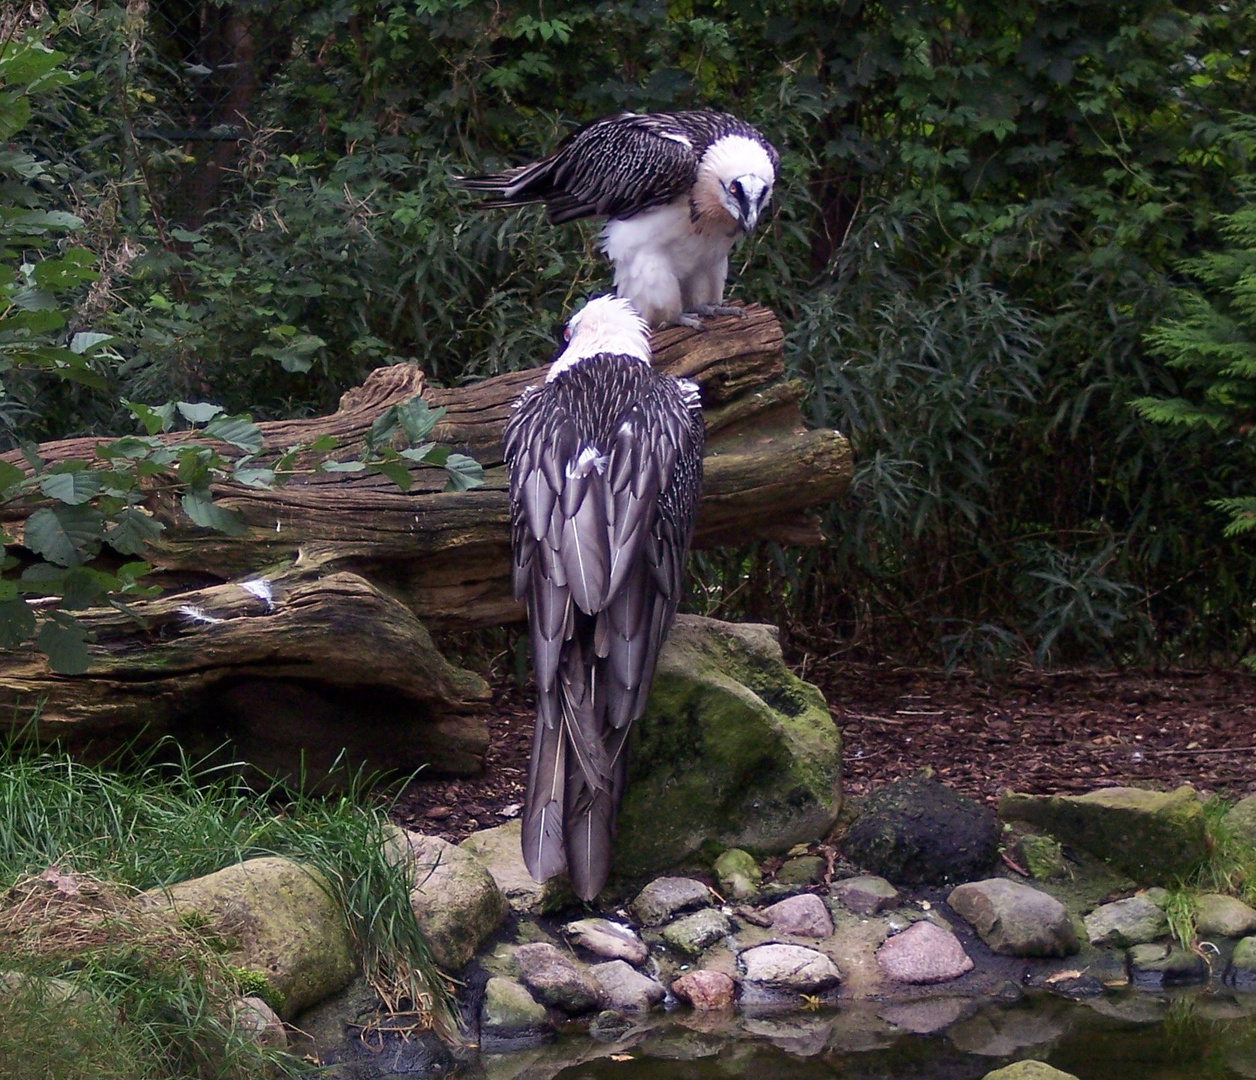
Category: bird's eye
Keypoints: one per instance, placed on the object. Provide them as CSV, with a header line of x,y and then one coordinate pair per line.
x,y
735,189
566,333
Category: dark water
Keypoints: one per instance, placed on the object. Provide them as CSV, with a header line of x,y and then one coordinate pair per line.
x,y
1133,1037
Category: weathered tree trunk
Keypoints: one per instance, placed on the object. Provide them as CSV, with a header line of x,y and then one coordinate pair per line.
x,y
356,567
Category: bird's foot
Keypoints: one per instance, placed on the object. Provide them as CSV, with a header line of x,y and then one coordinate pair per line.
x,y
707,311
694,316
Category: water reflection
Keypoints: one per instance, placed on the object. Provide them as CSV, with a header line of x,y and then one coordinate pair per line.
x,y
1199,1036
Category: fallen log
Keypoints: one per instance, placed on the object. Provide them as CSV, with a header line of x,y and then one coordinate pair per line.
x,y
356,569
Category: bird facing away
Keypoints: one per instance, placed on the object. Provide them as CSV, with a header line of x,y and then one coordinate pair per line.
x,y
605,462
678,189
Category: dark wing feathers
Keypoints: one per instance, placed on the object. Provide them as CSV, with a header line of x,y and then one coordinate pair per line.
x,y
605,467
615,167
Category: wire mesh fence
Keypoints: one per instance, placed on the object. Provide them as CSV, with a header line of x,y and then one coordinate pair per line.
x,y
190,78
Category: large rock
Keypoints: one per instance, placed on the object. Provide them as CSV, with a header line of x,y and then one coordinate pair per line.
x,y
804,916
500,851
1028,1070
1158,966
923,953
625,989
705,990
1015,920
1150,835
918,832
733,751
277,918
556,979
1127,922
1241,974
866,894
611,940
1218,915
788,967
690,934
665,897
1241,818
455,899
509,1011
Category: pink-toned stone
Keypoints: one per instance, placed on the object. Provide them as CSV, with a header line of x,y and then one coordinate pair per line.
x,y
804,915
705,990
866,894
923,953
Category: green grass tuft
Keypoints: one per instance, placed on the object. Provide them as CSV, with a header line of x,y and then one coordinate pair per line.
x,y
158,823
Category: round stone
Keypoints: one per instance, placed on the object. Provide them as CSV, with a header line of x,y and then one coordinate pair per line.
x,y
705,990
923,953
788,967
804,915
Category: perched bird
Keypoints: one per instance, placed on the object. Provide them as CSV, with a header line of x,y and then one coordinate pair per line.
x,y
678,189
605,462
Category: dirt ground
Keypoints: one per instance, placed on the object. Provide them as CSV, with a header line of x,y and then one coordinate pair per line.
x,y
1062,732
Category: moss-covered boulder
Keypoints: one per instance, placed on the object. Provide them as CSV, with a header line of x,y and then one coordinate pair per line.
x,y
1153,836
455,899
1028,1070
738,874
733,751
500,851
1042,857
276,917
919,832
1241,819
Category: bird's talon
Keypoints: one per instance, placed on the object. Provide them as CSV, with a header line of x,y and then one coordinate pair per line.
x,y
710,311
690,319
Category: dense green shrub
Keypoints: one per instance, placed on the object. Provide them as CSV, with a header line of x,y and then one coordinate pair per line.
x,y
981,213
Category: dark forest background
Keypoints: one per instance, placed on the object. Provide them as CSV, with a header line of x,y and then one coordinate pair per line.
x,y
1013,246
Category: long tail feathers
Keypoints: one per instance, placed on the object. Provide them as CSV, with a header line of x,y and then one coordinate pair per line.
x,y
543,849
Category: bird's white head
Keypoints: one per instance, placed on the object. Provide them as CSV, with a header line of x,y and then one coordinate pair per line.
x,y
606,324
736,174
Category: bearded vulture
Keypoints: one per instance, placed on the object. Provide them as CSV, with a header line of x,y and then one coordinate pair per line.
x,y
605,461
678,189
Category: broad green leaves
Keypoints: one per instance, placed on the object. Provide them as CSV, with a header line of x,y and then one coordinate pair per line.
x,y
412,421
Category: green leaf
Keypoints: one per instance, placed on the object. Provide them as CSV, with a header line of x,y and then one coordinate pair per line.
x,y
238,431
342,466
155,419
82,587
254,477
28,62
419,454
72,486
15,116
396,472
198,412
65,535
437,455
209,515
131,531
17,622
85,341
10,475
417,419
383,427
323,444
64,642
464,473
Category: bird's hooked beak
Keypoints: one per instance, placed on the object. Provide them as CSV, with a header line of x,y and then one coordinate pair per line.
x,y
749,195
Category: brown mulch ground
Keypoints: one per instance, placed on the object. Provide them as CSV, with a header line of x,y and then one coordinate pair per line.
x,y
1040,732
